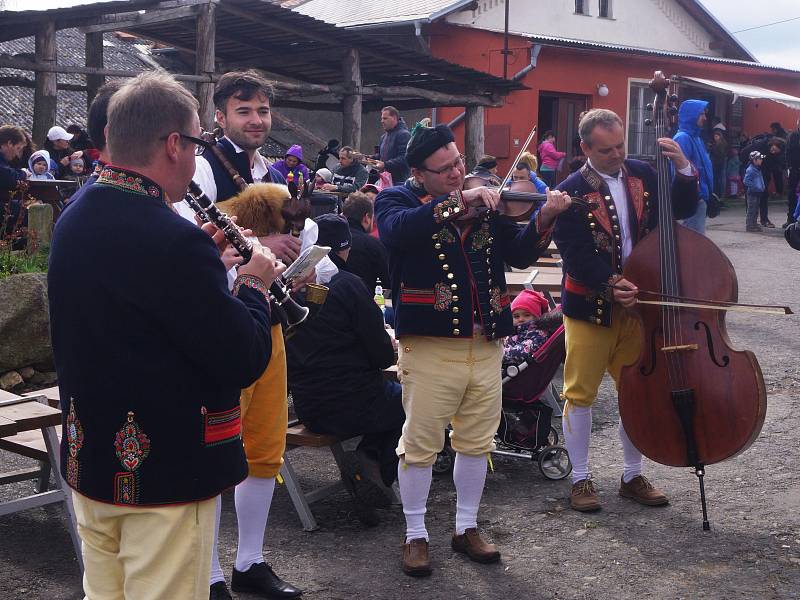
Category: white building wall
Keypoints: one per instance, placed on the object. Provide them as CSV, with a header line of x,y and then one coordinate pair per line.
x,y
653,24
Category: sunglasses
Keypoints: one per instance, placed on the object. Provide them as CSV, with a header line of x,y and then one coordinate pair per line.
x,y
458,163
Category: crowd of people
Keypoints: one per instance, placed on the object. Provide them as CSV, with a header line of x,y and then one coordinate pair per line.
x,y
144,294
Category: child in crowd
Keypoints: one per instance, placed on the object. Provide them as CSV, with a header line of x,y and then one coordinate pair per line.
x,y
534,323
754,186
39,165
732,171
322,177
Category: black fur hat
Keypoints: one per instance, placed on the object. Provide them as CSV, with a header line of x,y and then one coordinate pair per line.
x,y
425,141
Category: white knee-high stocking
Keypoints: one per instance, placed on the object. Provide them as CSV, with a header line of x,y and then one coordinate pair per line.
x,y
216,568
631,456
469,476
577,425
415,484
253,499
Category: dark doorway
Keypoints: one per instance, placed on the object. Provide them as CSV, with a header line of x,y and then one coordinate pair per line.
x,y
560,113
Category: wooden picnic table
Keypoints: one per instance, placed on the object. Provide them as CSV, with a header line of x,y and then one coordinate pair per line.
x,y
543,279
28,427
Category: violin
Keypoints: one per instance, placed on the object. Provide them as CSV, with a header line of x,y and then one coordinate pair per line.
x,y
519,199
690,399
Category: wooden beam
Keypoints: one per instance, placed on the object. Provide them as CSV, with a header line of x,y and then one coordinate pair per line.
x,y
473,135
44,96
204,63
351,103
94,59
437,98
51,67
25,82
119,21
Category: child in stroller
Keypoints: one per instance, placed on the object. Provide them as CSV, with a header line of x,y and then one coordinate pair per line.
x,y
531,358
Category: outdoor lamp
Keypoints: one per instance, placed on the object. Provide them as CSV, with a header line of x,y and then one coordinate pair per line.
x,y
602,89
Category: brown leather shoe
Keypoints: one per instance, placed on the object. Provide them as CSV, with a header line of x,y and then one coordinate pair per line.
x,y
583,496
642,491
471,544
415,558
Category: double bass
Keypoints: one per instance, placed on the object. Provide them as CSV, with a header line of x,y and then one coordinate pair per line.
x,y
691,399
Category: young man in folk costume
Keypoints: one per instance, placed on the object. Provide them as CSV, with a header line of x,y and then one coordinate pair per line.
x,y
242,101
139,302
446,265
600,334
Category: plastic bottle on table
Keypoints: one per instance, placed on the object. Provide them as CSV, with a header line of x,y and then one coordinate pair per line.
x,y
379,299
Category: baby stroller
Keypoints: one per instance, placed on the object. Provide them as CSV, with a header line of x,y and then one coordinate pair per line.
x,y
525,430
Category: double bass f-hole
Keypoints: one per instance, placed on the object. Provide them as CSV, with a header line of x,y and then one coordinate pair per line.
x,y
710,341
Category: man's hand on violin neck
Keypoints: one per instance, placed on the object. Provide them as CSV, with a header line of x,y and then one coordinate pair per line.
x,y
624,292
481,196
673,152
557,202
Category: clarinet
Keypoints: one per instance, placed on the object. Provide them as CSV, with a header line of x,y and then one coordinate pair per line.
x,y
209,213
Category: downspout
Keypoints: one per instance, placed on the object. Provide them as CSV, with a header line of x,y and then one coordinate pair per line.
x,y
535,50
418,34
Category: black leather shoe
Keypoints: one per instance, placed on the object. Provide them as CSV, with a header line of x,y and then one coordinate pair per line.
x,y
219,591
261,579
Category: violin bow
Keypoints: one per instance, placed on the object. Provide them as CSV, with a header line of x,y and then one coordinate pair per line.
x,y
685,302
517,159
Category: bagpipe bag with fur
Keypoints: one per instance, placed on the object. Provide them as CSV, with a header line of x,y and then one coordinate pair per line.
x,y
259,207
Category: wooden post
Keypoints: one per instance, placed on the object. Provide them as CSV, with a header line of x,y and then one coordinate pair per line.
x,y
351,103
473,135
44,97
204,63
40,226
94,58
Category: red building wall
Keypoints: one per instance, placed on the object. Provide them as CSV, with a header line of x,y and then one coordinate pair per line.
x,y
576,71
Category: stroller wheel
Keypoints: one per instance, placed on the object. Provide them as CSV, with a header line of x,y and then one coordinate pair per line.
x,y
552,437
554,462
445,461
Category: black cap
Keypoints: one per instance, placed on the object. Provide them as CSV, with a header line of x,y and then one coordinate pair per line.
x,y
333,231
425,141
792,235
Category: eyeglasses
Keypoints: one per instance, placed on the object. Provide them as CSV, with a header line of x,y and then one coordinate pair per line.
x,y
459,162
200,144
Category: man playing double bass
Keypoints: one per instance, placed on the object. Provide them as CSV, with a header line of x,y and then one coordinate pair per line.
x,y
600,333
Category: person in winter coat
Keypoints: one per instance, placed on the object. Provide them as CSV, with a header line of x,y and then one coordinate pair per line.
x,y
39,165
719,159
392,149
691,120
754,184
349,176
550,159
292,163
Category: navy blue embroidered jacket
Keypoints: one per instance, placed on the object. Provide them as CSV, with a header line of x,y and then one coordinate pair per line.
x,y
151,349
226,188
589,242
443,280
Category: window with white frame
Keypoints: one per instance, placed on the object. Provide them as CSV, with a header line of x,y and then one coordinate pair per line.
x,y
604,9
641,137
581,7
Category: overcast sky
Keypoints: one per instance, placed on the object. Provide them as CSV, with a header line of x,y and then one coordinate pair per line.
x,y
776,45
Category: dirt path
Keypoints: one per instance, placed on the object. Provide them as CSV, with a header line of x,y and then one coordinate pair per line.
x,y
623,552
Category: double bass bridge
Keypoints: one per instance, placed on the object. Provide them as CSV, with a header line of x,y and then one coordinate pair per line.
x,y
680,348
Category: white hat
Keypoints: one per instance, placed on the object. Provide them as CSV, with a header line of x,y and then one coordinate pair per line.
x,y
325,174
58,133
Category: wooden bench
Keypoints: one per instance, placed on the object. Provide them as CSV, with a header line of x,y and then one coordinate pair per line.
x,y
298,436
28,428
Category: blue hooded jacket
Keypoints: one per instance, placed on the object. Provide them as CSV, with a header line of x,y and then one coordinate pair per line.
x,y
688,137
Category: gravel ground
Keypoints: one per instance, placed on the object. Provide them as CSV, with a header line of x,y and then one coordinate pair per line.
x,y
625,551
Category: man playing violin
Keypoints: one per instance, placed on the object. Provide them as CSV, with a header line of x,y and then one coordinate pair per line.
x,y
447,251
600,334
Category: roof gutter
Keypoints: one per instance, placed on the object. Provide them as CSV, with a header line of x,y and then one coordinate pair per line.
x,y
535,50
